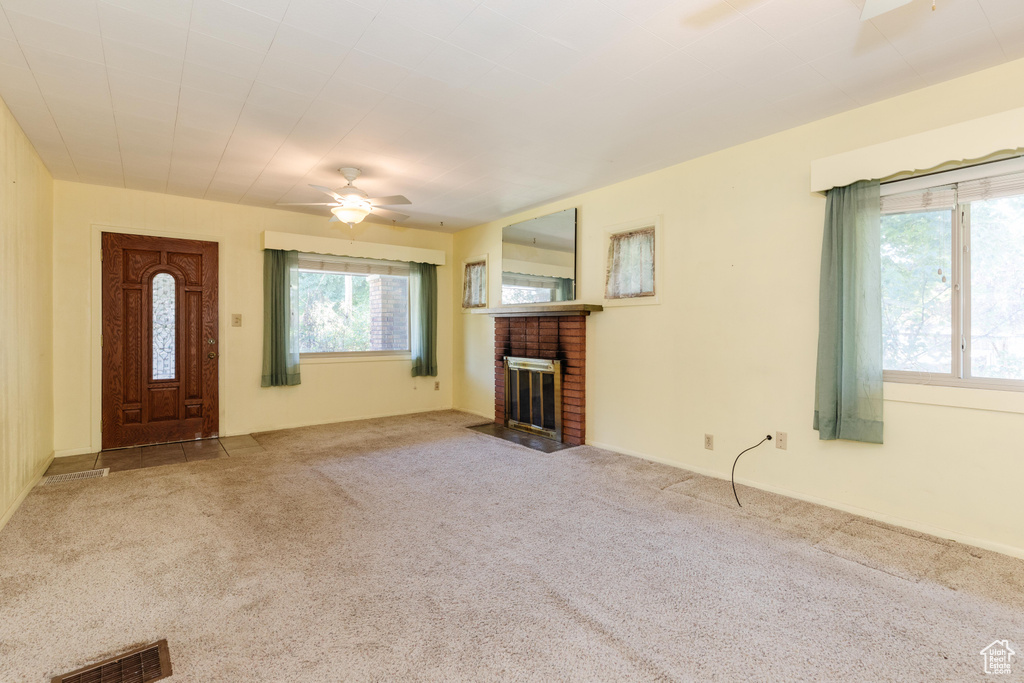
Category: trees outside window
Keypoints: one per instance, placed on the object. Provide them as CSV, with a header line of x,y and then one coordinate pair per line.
x,y
953,285
340,311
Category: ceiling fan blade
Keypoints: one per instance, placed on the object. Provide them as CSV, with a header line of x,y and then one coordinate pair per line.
x,y
873,8
388,215
389,201
307,203
370,218
327,190
334,219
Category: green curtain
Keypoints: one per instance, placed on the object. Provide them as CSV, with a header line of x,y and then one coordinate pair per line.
x,y
280,340
423,336
848,392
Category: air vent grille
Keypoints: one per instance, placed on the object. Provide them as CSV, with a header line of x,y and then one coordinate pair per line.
x,y
148,663
75,476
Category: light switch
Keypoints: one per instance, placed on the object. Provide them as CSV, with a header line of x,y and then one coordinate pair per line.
x,y
236,320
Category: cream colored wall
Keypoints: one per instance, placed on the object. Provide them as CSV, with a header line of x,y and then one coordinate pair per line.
x,y
26,342
730,350
330,391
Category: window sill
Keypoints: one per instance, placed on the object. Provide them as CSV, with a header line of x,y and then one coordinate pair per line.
x,y
955,397
368,357
633,301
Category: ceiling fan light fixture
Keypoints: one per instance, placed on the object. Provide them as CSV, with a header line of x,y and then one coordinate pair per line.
x,y
352,210
351,205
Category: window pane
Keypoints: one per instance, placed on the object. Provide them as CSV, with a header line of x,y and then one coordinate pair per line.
x,y
917,287
997,288
631,265
340,312
163,326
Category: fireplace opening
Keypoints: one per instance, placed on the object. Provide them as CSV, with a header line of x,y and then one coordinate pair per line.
x,y
533,396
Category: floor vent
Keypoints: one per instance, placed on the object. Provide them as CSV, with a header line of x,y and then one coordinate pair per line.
x,y
75,476
147,663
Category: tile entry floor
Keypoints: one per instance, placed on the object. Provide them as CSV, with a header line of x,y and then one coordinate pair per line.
x,y
537,443
154,456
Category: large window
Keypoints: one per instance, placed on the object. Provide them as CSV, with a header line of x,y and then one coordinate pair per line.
x,y
953,282
352,305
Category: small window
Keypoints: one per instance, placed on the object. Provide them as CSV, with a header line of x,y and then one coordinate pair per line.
x,y
474,285
352,305
631,264
164,326
952,286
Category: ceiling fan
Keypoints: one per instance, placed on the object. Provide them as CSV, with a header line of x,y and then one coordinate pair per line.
x,y
873,8
351,205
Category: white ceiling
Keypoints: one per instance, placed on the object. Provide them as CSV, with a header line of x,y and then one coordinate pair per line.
x,y
474,109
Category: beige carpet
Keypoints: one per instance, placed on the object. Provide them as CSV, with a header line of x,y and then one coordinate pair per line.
x,y
410,548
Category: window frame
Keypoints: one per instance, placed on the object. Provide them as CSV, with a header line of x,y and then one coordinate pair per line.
x,y
945,378
336,356
176,290
487,277
659,248
960,337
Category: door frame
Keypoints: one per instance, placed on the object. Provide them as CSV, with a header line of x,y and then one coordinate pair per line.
x,y
96,323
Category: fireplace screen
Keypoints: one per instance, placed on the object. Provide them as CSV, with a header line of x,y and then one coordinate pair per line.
x,y
533,396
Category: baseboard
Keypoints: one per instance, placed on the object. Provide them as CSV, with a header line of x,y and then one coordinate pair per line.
x,y
9,512
372,416
985,544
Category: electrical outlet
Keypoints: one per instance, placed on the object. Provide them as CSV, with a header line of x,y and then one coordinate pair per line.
x,y
236,320
709,442
437,385
781,441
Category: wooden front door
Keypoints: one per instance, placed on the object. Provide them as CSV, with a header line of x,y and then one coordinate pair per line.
x,y
160,343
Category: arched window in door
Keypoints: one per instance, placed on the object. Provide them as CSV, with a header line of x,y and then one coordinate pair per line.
x,y
164,326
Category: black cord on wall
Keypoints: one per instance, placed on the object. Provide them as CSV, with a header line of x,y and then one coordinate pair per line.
x,y
733,476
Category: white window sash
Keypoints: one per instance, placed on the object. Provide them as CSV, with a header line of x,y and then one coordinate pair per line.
x,y
969,186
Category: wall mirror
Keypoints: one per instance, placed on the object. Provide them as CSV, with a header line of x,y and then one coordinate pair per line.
x,y
538,260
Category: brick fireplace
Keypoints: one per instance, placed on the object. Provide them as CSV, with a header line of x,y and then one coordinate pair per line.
x,y
550,336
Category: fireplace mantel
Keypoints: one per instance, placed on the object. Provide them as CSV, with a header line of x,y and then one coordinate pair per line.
x,y
531,310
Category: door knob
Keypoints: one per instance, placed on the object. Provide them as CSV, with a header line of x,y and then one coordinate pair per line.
x,y
211,354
